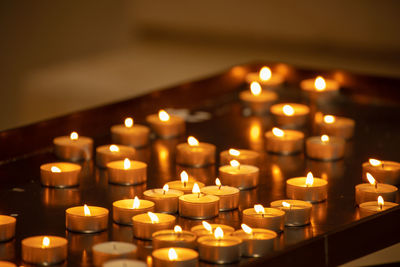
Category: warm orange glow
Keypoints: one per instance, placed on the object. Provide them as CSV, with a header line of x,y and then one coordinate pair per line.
x,y
255,88
127,163
196,189
255,132
218,182
128,122
218,233
45,242
184,177
320,84
86,210
153,217
207,226
177,229
136,203
285,204
55,169
329,119
165,188
381,203
192,141
246,228
265,74
288,110
375,162
325,138
259,208
114,148
172,256
163,115
234,163
234,152
278,132
371,179
309,179
74,136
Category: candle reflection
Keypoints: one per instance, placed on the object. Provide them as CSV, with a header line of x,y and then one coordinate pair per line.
x,y
144,248
289,165
293,235
256,140
143,154
7,250
163,151
205,175
77,243
229,217
66,197
118,192
247,198
122,233
326,169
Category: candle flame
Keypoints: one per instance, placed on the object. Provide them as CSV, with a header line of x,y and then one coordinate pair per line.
x,y
255,88
371,179
278,132
165,188
381,202
247,229
114,148
192,141
177,229
195,189
86,210
234,163
234,152
74,136
45,242
288,110
218,233
136,203
265,74
329,119
207,226
285,204
259,208
172,256
309,179
153,217
320,84
128,122
324,138
127,163
375,162
184,177
163,115
217,182
55,169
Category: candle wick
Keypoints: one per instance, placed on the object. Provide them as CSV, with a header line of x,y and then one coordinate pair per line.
x,y
376,185
380,206
115,247
262,215
219,187
163,192
184,184
198,195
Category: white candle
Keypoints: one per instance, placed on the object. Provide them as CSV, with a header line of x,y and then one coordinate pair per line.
x,y
240,176
307,188
384,171
266,78
370,191
336,126
195,153
109,153
284,141
106,251
165,125
325,147
130,134
290,114
44,250
256,99
73,147
127,172
228,195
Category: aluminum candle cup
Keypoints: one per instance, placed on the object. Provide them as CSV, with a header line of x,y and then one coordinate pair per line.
x,y
258,103
200,230
372,207
220,251
244,156
289,142
325,148
198,206
60,174
172,126
44,250
242,177
127,172
199,155
95,220
124,210
290,114
186,188
296,188
297,212
7,227
72,149
258,243
109,153
165,201
228,196
337,126
185,257
125,263
144,227
170,238
367,192
387,172
267,80
136,135
112,250
7,264
272,219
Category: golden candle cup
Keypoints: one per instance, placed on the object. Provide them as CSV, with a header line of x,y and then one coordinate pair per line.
x,y
244,177
200,231
258,104
125,263
297,214
257,244
198,206
273,219
185,188
185,258
76,221
7,227
123,210
174,127
143,227
165,201
200,155
228,196
341,127
104,155
272,83
67,174
297,119
33,251
332,149
220,251
170,238
135,174
367,192
296,188
372,207
290,143
331,88
111,250
73,150
136,136
246,157
387,172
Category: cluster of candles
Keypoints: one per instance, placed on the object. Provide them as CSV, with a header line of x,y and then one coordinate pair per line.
x,y
152,217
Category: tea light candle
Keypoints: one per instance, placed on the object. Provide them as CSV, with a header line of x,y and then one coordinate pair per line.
x,y
266,78
7,227
228,196
372,207
257,242
290,114
240,176
109,153
387,172
106,251
124,210
125,263
325,147
195,154
127,172
86,219
60,174
260,217
284,142
145,224
7,264
165,199
244,156
320,87
220,249
256,99
307,188
165,125
198,205
184,184
73,147
44,250
174,238
130,134
370,191
297,212
175,257
337,126
208,229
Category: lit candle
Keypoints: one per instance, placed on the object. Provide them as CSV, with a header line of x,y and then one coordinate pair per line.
x,y
244,156
184,184
109,153
257,242
195,153
165,199
372,207
284,142
198,205
44,250
111,250
145,224
260,217
165,125
336,126
73,147
127,172
7,227
206,228
266,78
125,209
325,147
307,188
175,257
240,176
174,238
130,134
387,172
256,99
86,219
125,263
219,248
320,87
228,196
297,212
60,174
370,191
290,114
